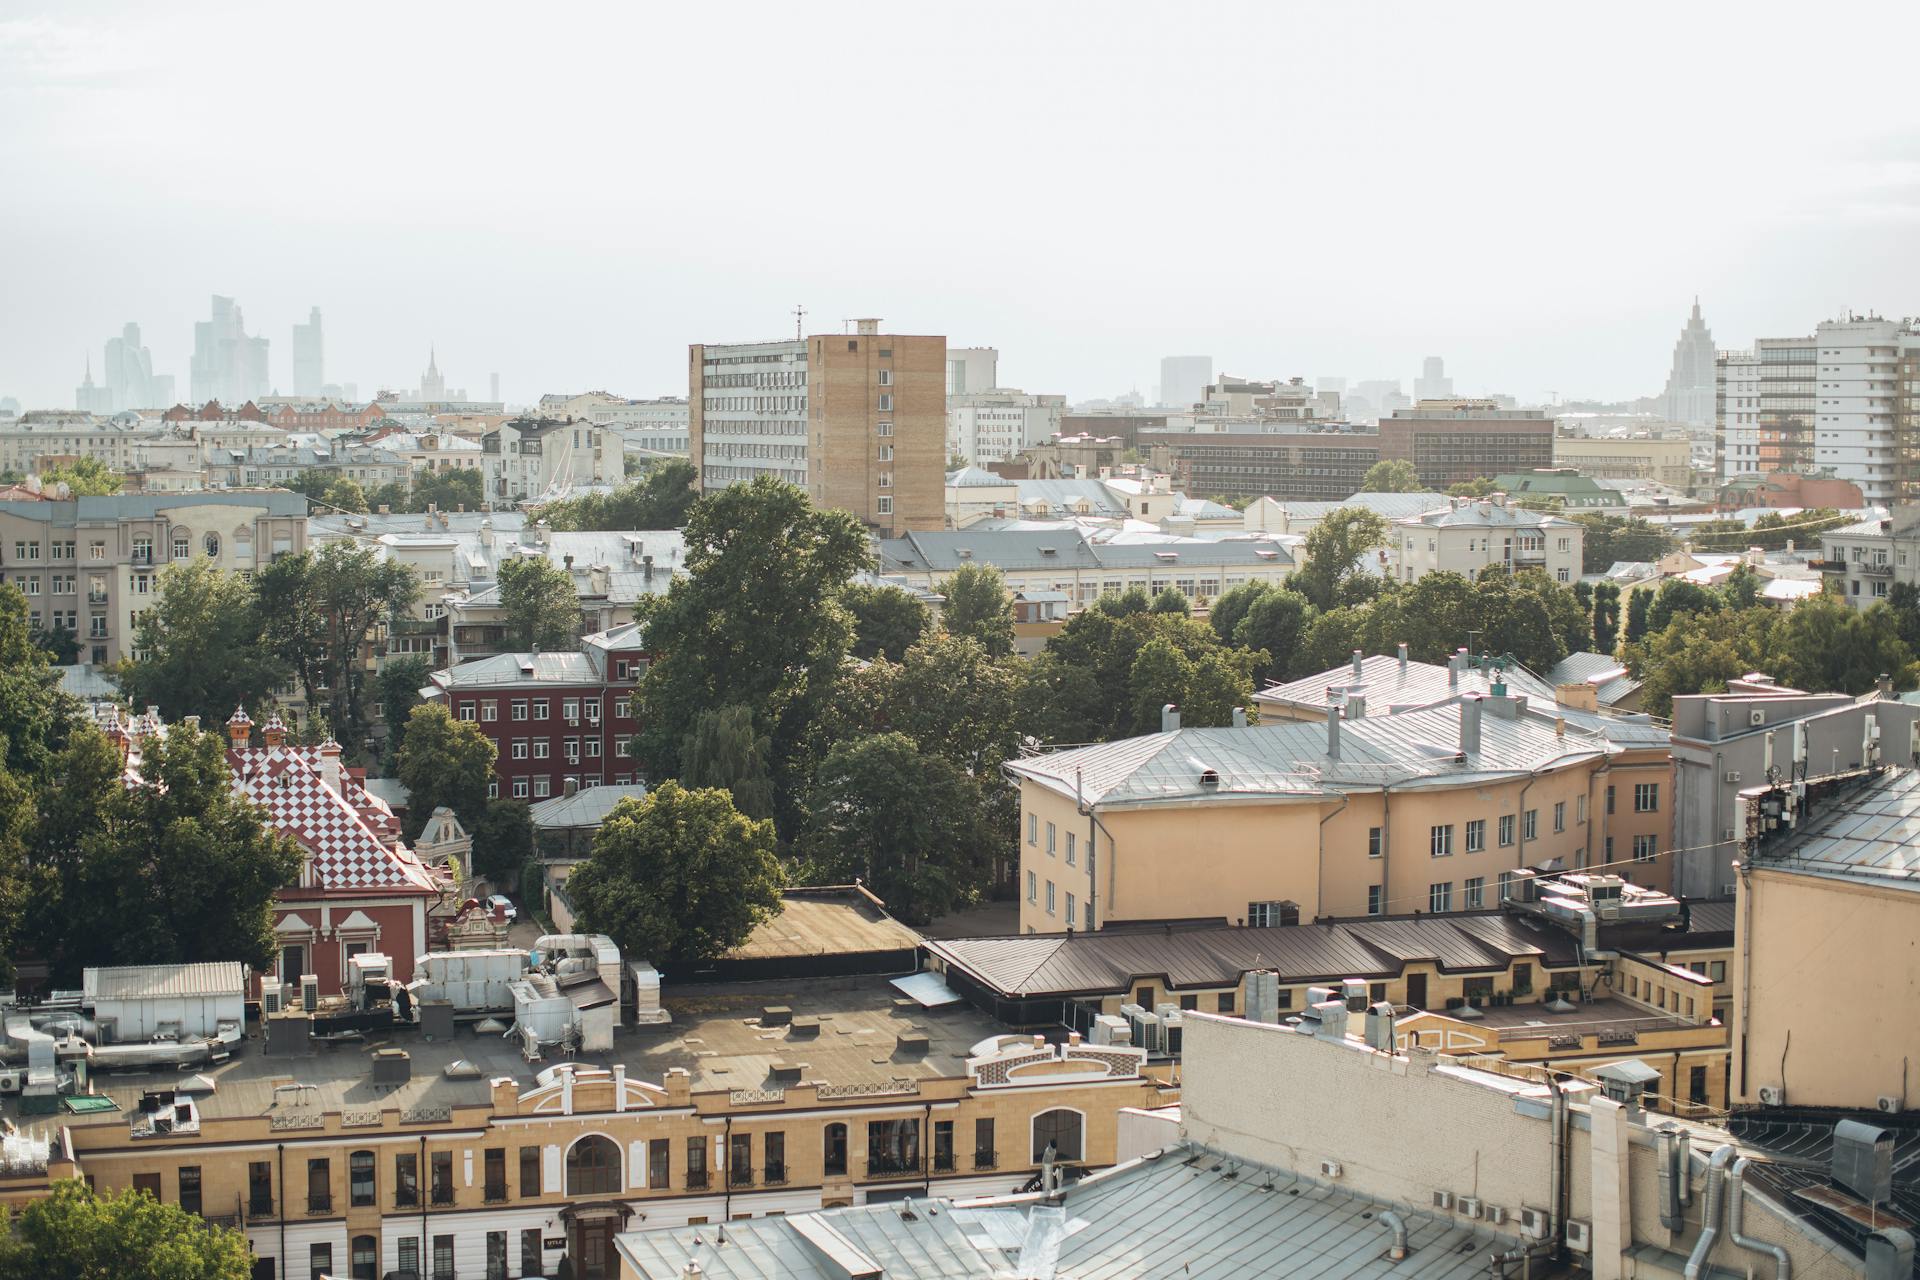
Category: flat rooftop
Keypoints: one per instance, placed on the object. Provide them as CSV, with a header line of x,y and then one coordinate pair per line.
x,y
1523,1021
715,1035
828,921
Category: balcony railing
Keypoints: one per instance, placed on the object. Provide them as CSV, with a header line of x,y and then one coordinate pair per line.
x,y
495,1193
775,1175
986,1160
696,1179
231,1221
405,1199
260,1208
892,1168
443,1195
319,1203
740,1175
943,1162
1875,568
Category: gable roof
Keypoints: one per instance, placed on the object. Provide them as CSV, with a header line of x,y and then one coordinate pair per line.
x,y
1606,674
352,839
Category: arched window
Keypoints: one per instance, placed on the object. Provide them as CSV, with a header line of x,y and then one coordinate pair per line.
x,y
366,1258
593,1167
836,1148
1061,1129
212,541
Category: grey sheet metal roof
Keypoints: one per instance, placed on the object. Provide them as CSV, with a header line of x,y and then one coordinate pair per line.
x,y
1217,956
1387,685
149,981
1018,549
971,477
1392,506
505,669
1603,671
1484,514
1211,1218
1067,494
586,809
1870,834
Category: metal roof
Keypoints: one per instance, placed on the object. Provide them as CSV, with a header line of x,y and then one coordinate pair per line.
x,y
1234,1219
1603,671
1486,515
1018,549
1217,956
583,809
1869,834
1803,1141
504,669
1387,684
155,981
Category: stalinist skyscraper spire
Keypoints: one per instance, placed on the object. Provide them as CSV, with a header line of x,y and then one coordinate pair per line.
x,y
1689,394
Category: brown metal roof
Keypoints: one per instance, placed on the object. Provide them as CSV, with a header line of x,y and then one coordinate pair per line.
x,y
1216,955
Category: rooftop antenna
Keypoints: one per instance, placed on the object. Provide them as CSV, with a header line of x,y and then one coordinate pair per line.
x,y
799,317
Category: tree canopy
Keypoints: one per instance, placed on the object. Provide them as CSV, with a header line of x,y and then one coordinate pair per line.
x,y
725,751
444,761
1331,576
678,876
86,477
318,611
659,498
79,1234
886,620
198,647
541,604
977,606
1608,540
1391,475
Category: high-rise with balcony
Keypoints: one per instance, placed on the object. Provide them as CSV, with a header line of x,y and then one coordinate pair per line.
x,y
858,420
1841,401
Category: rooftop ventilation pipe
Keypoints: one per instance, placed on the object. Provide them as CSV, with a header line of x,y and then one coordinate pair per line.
x,y
1333,732
1169,717
1736,1200
1403,657
1470,726
1388,1218
1359,658
1711,1201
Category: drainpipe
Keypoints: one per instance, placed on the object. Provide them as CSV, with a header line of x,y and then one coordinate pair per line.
x,y
1388,1218
1520,816
423,1187
1093,872
926,1153
1736,1199
1711,1199
1319,889
281,1147
1557,1122
1386,847
726,1172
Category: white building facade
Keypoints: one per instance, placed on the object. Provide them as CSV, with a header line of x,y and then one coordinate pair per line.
x,y
993,426
1470,536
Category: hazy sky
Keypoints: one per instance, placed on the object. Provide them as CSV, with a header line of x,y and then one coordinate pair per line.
x,y
569,194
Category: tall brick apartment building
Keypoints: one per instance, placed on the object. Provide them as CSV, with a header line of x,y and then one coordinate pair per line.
x,y
859,420
556,718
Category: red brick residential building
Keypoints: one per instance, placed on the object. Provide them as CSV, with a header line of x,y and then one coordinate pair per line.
x,y
555,717
323,415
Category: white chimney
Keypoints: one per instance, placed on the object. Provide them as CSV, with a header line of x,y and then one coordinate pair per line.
x,y
1358,659
1403,657
1470,726
1333,726
1169,718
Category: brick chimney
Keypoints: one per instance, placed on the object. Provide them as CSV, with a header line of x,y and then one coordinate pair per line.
x,y
330,764
239,728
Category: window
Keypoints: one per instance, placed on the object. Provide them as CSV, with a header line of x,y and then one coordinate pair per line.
x,y
182,548
97,550
542,786
489,711
409,1258
1609,799
1270,915
360,1178
1645,848
1069,848
893,1146
1476,835
364,1259
519,748
983,1154
740,1160
211,542
190,1187
466,711
1506,830
540,706
1440,841
1440,896
542,747
147,1182
496,1255
443,1258
1473,892
1505,887
1052,839
1376,899
1059,1129
319,1186
696,1163
883,505
1559,815
533,1258
775,1149
319,1261
519,788
1530,824
1033,828
1646,797
570,710
834,1149
659,1163
593,1167
530,1172
1717,970
494,1187
1373,842
1033,887
406,1180
519,708
440,1187
1071,917
593,748
260,1189
1049,897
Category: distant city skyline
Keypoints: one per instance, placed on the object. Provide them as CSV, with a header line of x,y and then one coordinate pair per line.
x,y
1492,214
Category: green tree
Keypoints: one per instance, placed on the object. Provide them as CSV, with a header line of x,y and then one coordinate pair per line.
x,y
756,620
1171,601
78,1234
198,648
318,610
60,643
1741,590
444,761
176,869
313,482
1119,604
1332,575
1107,650
1698,654
503,839
946,695
678,876
1232,605
1478,487
1275,625
724,751
447,490
400,682
541,604
912,827
1903,598
1823,643
660,497
85,478
1608,540
1391,475
1638,605
35,716
1606,616
978,607
345,494
1677,596
886,620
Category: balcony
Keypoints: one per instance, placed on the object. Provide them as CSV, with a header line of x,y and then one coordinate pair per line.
x,y
96,597
775,1175
740,1175
442,1197
319,1203
892,1168
943,1162
495,1193
259,1209
406,1199
1874,569
986,1160
696,1179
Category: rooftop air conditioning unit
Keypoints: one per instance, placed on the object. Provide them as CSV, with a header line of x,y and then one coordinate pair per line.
x,y
11,1080
271,998
1772,1096
309,992
1733,775
1728,833
1496,1214
1443,1199
1330,1169
1888,1103
1470,1206
1579,1237
1756,716
1536,1224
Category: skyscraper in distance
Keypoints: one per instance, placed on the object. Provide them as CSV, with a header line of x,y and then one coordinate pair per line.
x,y
128,374
309,357
1689,393
228,365
1184,379
89,398
1433,382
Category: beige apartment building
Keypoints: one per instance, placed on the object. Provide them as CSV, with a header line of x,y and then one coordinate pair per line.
x,y
1469,536
1661,459
93,564
858,420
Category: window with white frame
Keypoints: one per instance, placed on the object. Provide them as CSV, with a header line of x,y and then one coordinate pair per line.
x,y
1476,835
1440,841
1473,892
1506,830
1646,797
1272,915
1645,848
1440,896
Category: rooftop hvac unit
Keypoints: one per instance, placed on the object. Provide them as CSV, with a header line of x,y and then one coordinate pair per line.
x,y
1330,1169
309,992
1888,1104
272,998
1733,775
1148,1031
1108,1029
1536,1224
1443,1199
1579,1236
1755,716
11,1080
1772,1096
1469,1206
1496,1215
